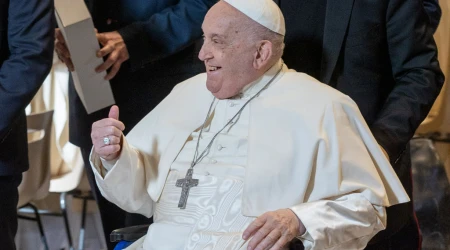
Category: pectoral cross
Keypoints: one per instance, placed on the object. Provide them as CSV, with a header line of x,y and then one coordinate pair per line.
x,y
186,184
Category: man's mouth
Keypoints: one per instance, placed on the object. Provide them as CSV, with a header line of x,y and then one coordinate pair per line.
x,y
213,68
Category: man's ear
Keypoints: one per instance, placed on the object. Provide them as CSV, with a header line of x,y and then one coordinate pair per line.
x,y
263,54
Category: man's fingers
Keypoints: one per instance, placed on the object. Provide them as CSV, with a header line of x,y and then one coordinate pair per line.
x,y
113,72
106,135
107,150
62,50
114,112
100,143
109,47
100,133
111,130
254,226
279,227
64,55
69,65
67,62
268,241
259,236
104,66
59,36
115,48
108,122
283,241
113,140
112,58
101,37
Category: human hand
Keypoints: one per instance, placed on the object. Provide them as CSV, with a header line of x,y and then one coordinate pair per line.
x,y
114,46
110,128
62,51
273,230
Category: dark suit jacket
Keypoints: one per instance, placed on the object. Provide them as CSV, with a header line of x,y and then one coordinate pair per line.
x,y
163,52
26,52
382,54
434,12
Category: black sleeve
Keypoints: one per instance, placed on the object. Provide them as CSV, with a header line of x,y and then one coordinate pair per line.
x,y
166,32
434,13
417,74
30,40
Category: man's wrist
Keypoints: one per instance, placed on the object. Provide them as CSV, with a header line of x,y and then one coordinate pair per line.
x,y
301,227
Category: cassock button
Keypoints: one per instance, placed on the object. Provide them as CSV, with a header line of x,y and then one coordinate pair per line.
x,y
232,104
220,147
214,161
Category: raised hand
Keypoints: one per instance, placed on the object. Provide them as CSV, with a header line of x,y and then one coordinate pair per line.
x,y
107,135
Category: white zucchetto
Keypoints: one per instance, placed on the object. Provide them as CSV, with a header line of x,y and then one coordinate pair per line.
x,y
265,12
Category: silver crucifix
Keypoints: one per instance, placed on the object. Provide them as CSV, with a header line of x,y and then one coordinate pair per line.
x,y
186,184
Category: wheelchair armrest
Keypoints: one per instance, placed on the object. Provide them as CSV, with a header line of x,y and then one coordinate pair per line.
x,y
128,233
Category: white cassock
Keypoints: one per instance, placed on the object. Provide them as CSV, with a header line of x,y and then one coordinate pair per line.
x,y
300,145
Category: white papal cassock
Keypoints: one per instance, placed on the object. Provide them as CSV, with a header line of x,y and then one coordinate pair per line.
x,y
300,145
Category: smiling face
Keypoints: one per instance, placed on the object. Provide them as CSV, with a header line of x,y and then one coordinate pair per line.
x,y
229,52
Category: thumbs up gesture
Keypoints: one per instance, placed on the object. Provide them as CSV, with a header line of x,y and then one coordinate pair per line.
x,y
107,135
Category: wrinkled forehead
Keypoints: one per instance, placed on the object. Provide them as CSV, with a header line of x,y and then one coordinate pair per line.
x,y
222,19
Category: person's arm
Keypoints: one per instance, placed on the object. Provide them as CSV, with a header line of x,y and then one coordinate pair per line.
x,y
131,168
125,183
345,222
340,222
413,56
350,184
434,12
166,32
30,40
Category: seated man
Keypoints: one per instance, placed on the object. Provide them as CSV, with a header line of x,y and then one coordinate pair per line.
x,y
258,155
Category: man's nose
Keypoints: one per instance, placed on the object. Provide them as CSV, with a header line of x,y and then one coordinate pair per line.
x,y
204,53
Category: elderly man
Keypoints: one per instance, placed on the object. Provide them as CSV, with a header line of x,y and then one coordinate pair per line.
x,y
258,155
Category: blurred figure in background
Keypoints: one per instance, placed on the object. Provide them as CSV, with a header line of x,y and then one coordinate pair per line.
x,y
382,54
148,46
26,52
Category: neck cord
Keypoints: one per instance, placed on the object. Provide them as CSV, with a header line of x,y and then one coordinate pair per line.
x,y
196,159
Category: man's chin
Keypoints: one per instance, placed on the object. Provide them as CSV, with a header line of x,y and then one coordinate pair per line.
x,y
217,90
223,94
217,94
220,96
213,87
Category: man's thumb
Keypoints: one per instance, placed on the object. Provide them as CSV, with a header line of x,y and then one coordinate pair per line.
x,y
114,112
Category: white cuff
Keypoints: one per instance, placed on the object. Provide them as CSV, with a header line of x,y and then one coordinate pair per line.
x,y
108,165
300,235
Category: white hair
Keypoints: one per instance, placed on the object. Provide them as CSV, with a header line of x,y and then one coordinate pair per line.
x,y
258,32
